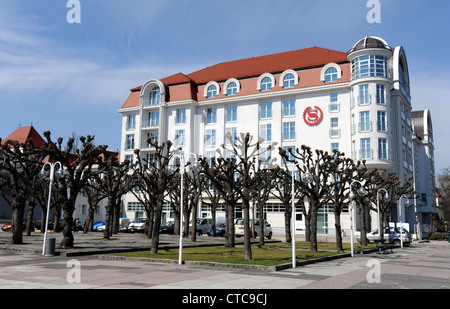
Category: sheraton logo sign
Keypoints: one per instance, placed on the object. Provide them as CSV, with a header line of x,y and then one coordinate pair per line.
x,y
313,116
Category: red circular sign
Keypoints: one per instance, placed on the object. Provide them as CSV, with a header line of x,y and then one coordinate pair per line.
x,y
313,116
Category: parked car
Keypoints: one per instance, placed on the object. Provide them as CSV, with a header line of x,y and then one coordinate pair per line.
x,y
8,226
97,224
239,228
391,235
123,221
203,225
101,228
138,225
220,230
167,229
125,227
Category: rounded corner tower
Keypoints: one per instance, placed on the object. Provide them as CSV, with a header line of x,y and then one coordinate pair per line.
x,y
371,111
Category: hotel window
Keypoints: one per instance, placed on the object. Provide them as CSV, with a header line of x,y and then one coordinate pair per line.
x,y
266,132
210,139
129,142
151,159
371,65
232,88
366,152
154,96
381,121
289,81
266,84
331,75
382,148
334,130
212,91
364,97
232,113
265,110
209,156
211,115
334,103
334,146
153,136
364,122
181,116
179,137
265,156
288,131
129,158
288,107
289,151
381,94
153,119
131,122
230,133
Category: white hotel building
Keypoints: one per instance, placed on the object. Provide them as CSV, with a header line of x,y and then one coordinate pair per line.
x,y
357,102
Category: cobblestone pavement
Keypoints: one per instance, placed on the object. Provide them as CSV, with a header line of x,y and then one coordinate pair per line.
x,y
421,266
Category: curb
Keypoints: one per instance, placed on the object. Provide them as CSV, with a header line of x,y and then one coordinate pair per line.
x,y
224,265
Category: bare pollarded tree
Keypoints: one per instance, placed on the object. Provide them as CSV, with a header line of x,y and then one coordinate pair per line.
x,y
19,165
77,164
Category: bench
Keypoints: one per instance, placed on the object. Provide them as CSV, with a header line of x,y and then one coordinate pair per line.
x,y
384,248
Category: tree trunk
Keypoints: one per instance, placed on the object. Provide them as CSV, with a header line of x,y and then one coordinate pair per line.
x,y
156,226
68,239
337,225
229,227
287,226
247,233
16,224
362,221
313,228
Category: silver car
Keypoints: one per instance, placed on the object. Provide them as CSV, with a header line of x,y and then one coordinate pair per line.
x,y
391,235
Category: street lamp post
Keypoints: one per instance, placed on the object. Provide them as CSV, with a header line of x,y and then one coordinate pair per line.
x,y
43,174
407,204
361,192
386,198
172,168
307,179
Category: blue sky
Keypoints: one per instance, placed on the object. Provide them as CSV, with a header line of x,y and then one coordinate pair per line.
x,y
72,78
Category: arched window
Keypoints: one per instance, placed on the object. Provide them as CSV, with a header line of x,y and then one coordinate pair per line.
x,y
154,96
289,81
212,91
266,84
331,75
231,88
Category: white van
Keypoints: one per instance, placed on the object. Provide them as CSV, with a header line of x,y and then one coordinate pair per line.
x,y
203,225
239,228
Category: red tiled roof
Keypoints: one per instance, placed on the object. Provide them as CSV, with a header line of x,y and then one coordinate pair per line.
x,y
22,134
250,67
296,59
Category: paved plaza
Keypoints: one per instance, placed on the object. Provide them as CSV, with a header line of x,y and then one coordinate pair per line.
x,y
423,265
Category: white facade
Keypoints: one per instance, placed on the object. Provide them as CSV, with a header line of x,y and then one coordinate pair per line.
x,y
357,102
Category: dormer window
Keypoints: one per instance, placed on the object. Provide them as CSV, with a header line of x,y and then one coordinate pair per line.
x,y
211,90
289,79
231,87
154,96
265,82
330,73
